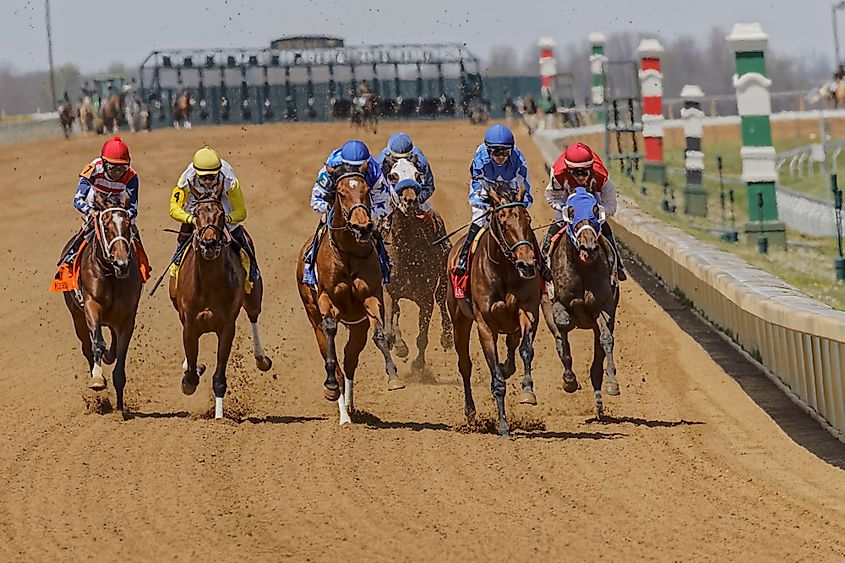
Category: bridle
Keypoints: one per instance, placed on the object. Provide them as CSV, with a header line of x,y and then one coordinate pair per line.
x,y
221,234
346,214
507,250
100,230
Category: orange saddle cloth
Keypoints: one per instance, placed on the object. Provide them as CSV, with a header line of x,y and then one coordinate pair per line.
x,y
67,278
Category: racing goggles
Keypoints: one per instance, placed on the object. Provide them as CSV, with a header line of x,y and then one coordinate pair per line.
x,y
208,179
500,151
580,172
115,171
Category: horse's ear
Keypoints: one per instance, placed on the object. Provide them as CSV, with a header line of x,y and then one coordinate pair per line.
x,y
364,166
600,213
567,213
330,170
218,191
494,196
414,159
520,196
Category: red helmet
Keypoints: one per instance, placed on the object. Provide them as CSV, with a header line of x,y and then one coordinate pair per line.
x,y
578,155
115,151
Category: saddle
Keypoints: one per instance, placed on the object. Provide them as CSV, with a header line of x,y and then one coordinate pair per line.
x,y
244,256
461,284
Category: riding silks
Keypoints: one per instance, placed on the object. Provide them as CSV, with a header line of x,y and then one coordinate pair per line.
x,y
461,284
176,264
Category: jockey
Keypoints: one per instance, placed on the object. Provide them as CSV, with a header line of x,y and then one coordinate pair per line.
x,y
202,176
400,145
579,165
496,159
356,153
110,174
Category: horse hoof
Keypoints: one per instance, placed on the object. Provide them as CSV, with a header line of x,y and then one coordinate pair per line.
x,y
446,341
418,365
571,385
528,398
97,383
470,414
395,384
200,369
612,388
401,349
331,394
188,388
264,363
504,431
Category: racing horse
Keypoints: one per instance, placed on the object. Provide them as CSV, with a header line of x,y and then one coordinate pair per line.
x,y
585,294
365,112
504,298
111,112
135,112
110,284
182,108
66,118
349,287
208,294
419,267
86,115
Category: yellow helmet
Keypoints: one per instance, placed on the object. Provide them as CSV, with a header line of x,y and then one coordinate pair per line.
x,y
206,161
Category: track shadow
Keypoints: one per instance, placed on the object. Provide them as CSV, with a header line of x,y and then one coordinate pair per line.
x,y
274,419
548,435
641,421
802,429
371,420
129,415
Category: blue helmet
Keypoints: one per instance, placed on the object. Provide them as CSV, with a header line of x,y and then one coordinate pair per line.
x,y
400,144
498,136
354,152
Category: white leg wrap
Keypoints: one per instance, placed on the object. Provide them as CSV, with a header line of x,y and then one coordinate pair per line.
x,y
347,392
258,349
97,371
185,364
218,407
344,414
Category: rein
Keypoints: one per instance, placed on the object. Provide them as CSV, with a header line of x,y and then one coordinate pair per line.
x,y
100,231
222,236
347,213
507,250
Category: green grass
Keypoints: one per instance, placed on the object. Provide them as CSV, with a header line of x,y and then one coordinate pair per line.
x,y
807,264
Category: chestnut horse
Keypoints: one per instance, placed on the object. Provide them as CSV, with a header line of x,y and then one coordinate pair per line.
x,y
504,298
66,118
586,293
208,294
365,113
110,284
182,108
349,287
419,267
111,111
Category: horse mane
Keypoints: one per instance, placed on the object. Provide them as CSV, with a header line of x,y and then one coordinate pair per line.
x,y
503,190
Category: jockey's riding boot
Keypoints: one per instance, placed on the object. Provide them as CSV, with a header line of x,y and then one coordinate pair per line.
x,y
72,246
554,229
460,268
309,275
240,236
620,268
183,239
383,257
545,271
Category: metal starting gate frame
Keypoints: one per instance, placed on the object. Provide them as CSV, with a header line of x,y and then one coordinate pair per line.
x,y
623,116
266,85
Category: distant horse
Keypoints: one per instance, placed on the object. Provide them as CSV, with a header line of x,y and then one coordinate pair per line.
x,y
208,294
365,112
505,291
419,267
349,287
135,111
585,295
182,108
111,111
66,118
110,282
832,94
86,115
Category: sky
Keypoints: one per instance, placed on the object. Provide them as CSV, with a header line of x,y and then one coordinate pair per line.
x,y
86,34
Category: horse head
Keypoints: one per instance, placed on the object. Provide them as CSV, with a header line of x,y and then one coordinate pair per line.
x,y
113,228
584,216
210,234
352,199
405,179
510,225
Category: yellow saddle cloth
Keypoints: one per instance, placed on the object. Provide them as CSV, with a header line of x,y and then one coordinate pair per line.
x,y
174,268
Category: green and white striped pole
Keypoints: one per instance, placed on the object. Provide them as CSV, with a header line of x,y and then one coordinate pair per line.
x,y
597,60
748,42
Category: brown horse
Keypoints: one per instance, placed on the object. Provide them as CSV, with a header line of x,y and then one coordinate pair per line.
x,y
505,291
349,287
585,293
208,294
111,112
182,108
66,118
86,115
419,272
110,284
365,114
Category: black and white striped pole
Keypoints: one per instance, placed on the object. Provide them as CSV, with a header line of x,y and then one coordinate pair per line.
x,y
695,196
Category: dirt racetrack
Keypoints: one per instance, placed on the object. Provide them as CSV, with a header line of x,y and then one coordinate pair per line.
x,y
689,468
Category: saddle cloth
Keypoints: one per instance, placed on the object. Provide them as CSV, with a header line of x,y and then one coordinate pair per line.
x,y
174,267
67,278
461,284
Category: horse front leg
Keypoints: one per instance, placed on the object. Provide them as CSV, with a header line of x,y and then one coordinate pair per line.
x,y
489,341
394,330
375,312
563,325
446,339
225,337
98,345
596,369
191,344
351,352
123,337
605,322
528,326
426,310
509,366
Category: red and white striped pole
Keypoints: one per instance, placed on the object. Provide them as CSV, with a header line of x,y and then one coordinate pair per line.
x,y
651,81
548,65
